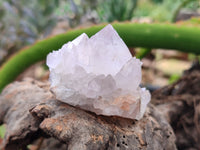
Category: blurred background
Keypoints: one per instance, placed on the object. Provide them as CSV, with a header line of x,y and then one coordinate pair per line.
x,y
22,22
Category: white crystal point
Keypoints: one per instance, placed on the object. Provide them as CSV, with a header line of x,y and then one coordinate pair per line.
x,y
100,75
129,77
107,46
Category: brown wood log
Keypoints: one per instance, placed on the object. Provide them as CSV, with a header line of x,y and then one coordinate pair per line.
x,y
30,112
180,104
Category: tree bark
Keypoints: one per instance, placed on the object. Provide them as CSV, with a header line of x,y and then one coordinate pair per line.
x,y
30,111
180,104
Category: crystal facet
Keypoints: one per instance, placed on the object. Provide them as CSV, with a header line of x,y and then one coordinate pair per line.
x,y
100,75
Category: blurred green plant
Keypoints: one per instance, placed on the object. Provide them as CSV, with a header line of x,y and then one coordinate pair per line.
x,y
162,11
157,1
173,78
181,5
116,10
142,52
77,12
2,131
24,21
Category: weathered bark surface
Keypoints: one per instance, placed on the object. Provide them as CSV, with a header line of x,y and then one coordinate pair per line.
x,y
47,144
84,130
30,111
15,102
180,104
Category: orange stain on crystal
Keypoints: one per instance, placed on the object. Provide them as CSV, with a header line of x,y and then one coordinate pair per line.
x,y
124,102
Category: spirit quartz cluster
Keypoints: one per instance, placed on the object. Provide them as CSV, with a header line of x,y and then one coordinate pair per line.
x,y
100,75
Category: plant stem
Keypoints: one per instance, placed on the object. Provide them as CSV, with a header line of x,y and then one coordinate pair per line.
x,y
166,36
